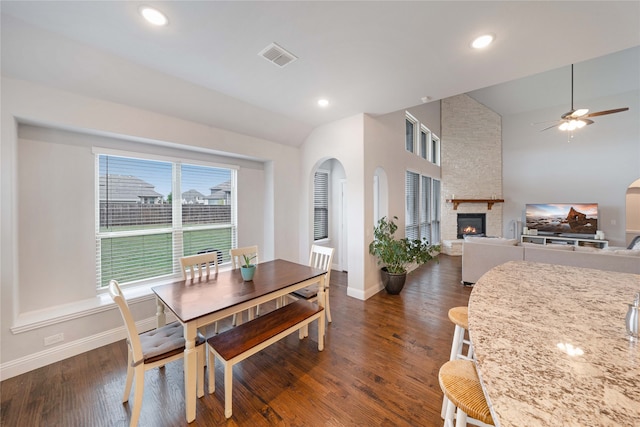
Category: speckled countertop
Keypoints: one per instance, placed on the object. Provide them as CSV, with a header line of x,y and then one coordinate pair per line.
x,y
524,320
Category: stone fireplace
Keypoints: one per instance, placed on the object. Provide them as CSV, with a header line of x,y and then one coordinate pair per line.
x,y
471,224
471,166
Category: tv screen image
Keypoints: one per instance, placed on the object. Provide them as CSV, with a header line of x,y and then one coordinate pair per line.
x,y
563,218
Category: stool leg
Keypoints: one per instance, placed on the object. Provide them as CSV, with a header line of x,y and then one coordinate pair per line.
x,y
461,418
449,413
456,349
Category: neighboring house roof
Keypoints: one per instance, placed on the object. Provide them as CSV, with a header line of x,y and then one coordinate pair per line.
x,y
128,188
221,191
222,187
192,195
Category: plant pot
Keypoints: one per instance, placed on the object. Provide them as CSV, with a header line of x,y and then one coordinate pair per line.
x,y
248,272
392,282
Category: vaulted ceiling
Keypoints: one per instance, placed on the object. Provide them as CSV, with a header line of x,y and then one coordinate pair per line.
x,y
364,57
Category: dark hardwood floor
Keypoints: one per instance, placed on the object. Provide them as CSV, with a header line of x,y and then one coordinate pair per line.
x,y
379,368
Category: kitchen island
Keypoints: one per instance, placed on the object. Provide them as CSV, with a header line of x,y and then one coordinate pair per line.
x,y
552,348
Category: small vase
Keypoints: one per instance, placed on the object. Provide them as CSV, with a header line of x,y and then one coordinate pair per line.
x,y
248,272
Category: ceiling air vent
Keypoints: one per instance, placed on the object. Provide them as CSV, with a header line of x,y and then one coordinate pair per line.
x,y
278,55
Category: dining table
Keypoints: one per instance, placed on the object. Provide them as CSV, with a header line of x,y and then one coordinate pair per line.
x,y
198,303
552,348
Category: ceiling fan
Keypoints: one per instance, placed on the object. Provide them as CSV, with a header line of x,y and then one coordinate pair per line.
x,y
576,119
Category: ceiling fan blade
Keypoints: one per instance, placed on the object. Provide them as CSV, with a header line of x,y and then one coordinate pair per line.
x,y
587,121
547,121
550,127
602,113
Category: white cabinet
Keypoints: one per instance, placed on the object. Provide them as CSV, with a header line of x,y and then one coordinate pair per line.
x,y
575,241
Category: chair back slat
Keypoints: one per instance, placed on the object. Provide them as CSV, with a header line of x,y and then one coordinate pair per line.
x,y
321,257
236,255
132,333
198,267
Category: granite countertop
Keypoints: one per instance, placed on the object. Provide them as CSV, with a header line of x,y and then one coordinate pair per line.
x,y
552,348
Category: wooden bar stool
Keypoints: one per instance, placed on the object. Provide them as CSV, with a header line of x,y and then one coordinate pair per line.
x,y
460,318
460,384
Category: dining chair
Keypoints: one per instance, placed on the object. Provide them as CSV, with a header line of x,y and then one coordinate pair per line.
x,y
321,257
150,350
237,261
196,268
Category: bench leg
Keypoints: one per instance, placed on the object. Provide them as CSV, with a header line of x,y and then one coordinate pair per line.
x,y
228,382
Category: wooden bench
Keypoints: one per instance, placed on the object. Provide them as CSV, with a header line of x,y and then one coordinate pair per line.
x,y
238,343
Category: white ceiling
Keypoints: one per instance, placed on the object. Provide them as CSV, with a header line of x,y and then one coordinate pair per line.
x,y
371,57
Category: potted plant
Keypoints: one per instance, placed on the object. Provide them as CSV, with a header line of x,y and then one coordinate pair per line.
x,y
247,269
396,254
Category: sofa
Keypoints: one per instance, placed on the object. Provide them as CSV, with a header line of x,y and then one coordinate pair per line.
x,y
480,254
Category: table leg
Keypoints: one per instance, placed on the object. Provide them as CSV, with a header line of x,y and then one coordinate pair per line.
x,y
190,371
161,317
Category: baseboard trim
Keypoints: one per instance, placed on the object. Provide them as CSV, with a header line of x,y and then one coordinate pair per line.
x,y
64,351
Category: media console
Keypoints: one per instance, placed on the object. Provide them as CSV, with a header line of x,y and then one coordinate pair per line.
x,y
575,241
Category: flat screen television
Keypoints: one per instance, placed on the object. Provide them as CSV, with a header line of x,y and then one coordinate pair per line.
x,y
573,219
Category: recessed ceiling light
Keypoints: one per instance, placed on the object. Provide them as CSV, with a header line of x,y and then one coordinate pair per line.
x,y
482,41
323,102
153,16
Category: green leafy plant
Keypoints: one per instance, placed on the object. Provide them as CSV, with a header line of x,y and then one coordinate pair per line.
x,y
247,260
397,254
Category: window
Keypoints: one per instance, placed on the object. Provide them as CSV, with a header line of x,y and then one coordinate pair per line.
x,y
143,228
411,223
410,132
422,214
425,137
425,211
436,214
321,205
435,149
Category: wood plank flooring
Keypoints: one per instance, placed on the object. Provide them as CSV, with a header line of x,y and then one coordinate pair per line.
x,y
379,368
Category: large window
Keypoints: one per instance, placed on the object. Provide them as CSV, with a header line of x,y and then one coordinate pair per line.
x,y
143,228
422,210
321,205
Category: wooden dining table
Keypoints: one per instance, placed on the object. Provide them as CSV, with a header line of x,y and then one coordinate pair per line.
x,y
552,347
199,303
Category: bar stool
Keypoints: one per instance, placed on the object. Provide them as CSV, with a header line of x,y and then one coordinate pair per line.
x,y
460,318
460,384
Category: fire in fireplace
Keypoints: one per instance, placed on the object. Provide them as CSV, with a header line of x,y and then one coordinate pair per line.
x,y
471,225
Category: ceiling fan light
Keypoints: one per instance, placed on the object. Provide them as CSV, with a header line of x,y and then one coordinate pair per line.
x,y
580,123
564,126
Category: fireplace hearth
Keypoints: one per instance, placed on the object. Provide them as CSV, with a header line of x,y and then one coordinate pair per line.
x,y
473,224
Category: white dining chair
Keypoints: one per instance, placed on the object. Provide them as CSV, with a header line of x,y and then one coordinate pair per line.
x,y
150,350
237,260
200,267
321,257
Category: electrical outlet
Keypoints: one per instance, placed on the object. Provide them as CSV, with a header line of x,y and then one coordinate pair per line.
x,y
54,339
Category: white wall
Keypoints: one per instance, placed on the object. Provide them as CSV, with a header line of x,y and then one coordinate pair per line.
x,y
597,165
343,141
385,149
47,251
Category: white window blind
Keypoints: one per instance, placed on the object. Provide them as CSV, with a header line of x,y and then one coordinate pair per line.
x,y
143,229
412,209
410,132
321,205
425,211
436,214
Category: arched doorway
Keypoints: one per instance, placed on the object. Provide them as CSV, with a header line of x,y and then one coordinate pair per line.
x,y
632,227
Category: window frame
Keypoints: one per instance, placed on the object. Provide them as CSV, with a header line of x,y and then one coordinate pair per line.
x,y
410,138
177,229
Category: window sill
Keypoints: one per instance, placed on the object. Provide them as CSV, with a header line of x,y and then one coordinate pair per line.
x,y
37,319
